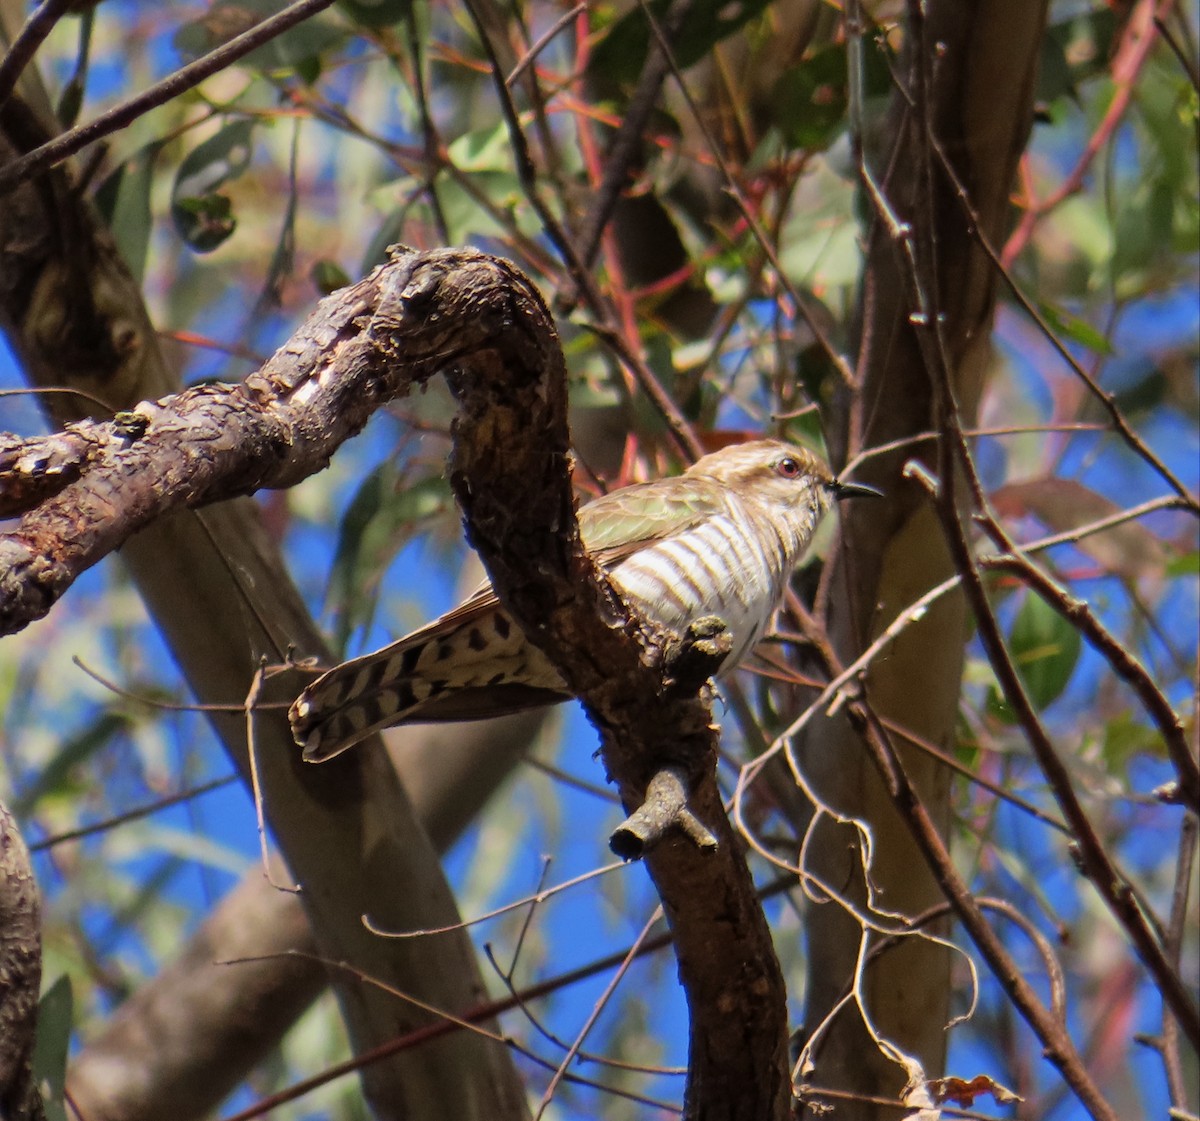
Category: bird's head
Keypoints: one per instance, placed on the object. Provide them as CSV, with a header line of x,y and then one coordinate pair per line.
x,y
781,475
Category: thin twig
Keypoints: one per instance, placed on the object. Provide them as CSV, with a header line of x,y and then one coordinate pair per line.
x,y
1107,401
252,707
1176,1079
126,112
135,814
540,896
543,41
25,44
600,1005
1123,661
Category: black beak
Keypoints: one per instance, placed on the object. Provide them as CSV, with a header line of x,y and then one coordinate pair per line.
x,y
853,490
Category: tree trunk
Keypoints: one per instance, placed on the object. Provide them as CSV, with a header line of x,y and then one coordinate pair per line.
x,y
980,110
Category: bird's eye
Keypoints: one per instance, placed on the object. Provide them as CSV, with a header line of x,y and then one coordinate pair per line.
x,y
787,467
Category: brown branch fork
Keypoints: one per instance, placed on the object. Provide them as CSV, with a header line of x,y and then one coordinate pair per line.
x,y
84,491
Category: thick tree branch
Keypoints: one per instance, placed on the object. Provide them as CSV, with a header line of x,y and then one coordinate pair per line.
x,y
221,597
483,323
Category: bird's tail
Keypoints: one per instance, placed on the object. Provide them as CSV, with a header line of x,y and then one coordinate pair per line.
x,y
358,698
471,664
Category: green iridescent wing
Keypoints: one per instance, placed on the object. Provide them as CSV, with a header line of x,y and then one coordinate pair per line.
x,y
617,524
612,526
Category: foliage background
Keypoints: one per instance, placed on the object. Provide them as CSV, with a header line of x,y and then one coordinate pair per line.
x,y
320,145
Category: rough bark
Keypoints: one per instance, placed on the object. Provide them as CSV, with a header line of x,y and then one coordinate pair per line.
x,y
980,111
75,317
20,975
367,345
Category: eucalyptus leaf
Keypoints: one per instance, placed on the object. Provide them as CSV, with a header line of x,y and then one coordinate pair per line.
x,y
123,200
53,1045
1045,648
384,514
202,216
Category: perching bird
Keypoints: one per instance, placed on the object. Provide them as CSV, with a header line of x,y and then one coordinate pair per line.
x,y
721,539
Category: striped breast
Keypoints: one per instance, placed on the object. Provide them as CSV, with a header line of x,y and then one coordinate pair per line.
x,y
722,567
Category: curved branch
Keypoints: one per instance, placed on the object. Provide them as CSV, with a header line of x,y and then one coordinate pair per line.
x,y
481,322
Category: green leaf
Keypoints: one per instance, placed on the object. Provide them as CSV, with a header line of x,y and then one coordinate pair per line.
x,y
70,102
1126,738
811,99
621,54
1186,565
205,222
1054,79
50,1050
1045,648
298,51
485,149
383,515
123,199
56,776
202,216
376,13
1076,329
328,276
1074,51
389,232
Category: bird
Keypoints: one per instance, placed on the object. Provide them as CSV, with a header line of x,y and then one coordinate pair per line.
x,y
722,539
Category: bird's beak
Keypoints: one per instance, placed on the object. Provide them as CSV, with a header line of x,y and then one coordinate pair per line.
x,y
853,490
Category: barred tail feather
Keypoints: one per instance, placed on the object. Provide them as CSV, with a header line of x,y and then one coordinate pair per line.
x,y
462,667
356,700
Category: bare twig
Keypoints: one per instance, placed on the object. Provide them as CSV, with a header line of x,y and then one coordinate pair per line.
x,y
1177,1084
136,814
918,252
665,806
25,44
1123,661
68,143
1107,400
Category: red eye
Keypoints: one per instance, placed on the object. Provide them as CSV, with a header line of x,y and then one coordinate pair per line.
x,y
787,467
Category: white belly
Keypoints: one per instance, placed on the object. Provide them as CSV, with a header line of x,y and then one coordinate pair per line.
x,y
719,568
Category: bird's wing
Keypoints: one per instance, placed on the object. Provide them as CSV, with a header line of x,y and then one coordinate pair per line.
x,y
618,524
336,710
612,526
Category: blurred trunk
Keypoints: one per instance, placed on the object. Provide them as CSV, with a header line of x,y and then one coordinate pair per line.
x,y
180,1044
220,595
980,91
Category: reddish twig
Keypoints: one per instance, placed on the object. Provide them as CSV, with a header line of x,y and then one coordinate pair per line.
x,y
1138,38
